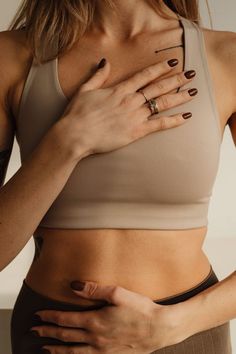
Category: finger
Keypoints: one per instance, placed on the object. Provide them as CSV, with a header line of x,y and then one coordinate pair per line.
x,y
64,318
61,349
63,334
168,101
143,77
97,79
162,123
113,294
168,84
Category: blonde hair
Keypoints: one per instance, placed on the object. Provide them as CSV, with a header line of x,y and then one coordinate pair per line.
x,y
67,20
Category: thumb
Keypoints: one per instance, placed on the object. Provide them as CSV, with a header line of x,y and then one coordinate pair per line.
x,y
113,294
98,78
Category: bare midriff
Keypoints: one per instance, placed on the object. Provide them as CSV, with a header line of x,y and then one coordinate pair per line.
x,y
155,263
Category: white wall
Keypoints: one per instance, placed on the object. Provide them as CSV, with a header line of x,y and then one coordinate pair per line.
x,y
220,244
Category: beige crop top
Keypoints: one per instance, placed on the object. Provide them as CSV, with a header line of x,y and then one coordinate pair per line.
x,y
161,181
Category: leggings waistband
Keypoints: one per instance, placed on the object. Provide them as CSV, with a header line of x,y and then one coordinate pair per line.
x,y
208,281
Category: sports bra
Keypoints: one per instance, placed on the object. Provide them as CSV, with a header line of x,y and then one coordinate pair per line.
x,y
163,180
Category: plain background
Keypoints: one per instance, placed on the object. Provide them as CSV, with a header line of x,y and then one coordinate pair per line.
x,y
220,244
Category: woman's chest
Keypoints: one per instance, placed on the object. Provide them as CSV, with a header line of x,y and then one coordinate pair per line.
x,y
78,64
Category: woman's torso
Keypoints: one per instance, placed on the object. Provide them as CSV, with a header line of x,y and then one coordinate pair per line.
x,y
156,263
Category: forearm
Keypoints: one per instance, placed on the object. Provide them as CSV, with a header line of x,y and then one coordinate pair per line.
x,y
210,308
27,196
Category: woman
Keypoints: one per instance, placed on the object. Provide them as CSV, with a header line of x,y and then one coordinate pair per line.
x,y
126,209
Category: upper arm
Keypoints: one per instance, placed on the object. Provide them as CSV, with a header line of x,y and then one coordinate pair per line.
x,y
227,52
7,127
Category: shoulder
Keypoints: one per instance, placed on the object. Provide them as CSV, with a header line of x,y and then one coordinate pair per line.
x,y
15,58
13,50
222,51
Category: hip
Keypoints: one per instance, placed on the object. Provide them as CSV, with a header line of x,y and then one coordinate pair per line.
x,y
213,341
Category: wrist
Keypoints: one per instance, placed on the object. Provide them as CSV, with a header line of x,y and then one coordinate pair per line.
x,y
69,142
173,320
183,316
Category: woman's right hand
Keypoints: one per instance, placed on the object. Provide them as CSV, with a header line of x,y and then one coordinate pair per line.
x,y
105,119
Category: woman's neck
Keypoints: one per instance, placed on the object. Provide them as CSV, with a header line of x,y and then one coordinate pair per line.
x,y
130,18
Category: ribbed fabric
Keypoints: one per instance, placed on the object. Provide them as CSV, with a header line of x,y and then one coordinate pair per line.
x,y
213,341
161,181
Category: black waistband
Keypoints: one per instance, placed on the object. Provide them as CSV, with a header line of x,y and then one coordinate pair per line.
x,y
210,280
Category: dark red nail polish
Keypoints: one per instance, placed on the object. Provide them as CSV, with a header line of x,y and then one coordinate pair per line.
x,y
102,63
187,115
189,74
193,92
173,62
77,285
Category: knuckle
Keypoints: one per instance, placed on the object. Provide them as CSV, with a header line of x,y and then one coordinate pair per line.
x,y
118,89
58,318
71,351
147,71
62,334
180,79
127,100
99,341
114,293
163,123
175,120
160,86
93,324
163,101
91,288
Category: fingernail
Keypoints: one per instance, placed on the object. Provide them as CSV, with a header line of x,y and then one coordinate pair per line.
x,y
102,63
173,62
35,333
77,285
189,74
187,115
193,92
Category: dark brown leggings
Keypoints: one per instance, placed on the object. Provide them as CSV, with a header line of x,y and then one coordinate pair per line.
x,y
213,341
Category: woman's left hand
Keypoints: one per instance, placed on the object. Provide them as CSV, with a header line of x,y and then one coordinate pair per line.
x,y
130,323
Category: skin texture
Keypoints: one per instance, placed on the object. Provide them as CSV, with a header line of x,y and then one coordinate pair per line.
x,y
181,249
